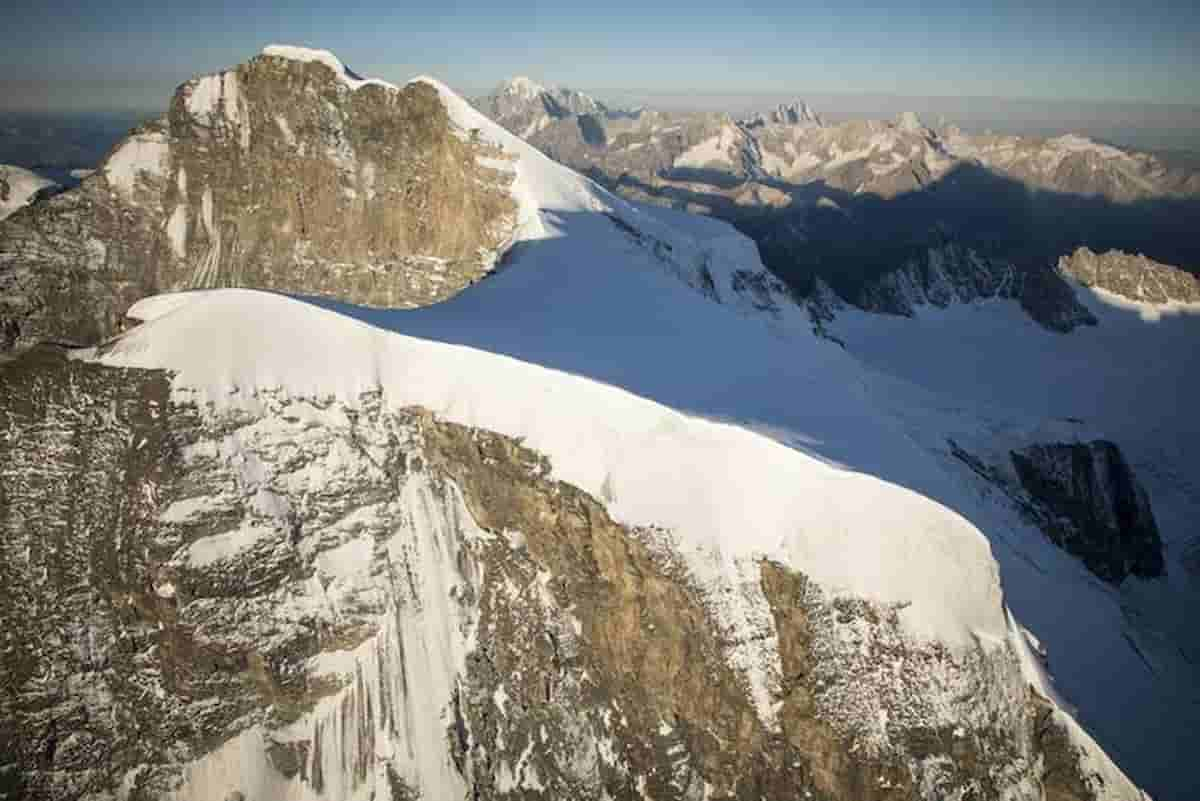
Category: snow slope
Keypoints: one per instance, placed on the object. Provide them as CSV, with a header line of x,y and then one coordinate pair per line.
x,y
988,377
743,435
22,186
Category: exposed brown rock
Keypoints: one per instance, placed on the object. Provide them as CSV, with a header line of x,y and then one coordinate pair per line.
x,y
274,175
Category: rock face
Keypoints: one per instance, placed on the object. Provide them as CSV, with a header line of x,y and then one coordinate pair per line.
x,y
952,274
314,599
285,173
258,587
1133,277
1094,507
529,107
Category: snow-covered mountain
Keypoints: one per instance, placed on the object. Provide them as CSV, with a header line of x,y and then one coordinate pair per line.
x,y
19,187
360,192
609,523
847,204
526,106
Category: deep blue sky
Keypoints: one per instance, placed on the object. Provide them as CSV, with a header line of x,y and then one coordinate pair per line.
x,y
63,53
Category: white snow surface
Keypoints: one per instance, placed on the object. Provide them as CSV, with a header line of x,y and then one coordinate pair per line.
x,y
1128,657
142,154
743,435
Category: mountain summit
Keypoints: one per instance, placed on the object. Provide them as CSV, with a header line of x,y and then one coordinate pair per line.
x,y
605,521
529,107
287,172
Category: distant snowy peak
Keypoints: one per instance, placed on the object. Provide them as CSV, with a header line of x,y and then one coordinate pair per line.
x,y
797,113
344,73
522,87
527,106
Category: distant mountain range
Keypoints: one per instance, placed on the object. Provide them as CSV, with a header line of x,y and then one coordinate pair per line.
x,y
845,204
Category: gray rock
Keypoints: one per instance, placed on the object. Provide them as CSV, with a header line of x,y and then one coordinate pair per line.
x,y
1093,506
952,274
325,598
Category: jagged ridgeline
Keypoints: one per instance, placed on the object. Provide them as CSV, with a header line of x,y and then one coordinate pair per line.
x,y
253,549
278,174
887,214
409,608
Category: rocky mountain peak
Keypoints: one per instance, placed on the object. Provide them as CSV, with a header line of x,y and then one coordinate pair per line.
x,y
288,172
523,96
1131,276
316,56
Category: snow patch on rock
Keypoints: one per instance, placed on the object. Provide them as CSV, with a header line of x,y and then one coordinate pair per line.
x,y
144,154
22,185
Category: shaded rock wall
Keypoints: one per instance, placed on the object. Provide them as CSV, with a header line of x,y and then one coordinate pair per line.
x,y
1095,508
951,273
1131,276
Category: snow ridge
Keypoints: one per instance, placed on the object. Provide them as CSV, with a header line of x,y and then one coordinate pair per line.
x,y
729,495
313,55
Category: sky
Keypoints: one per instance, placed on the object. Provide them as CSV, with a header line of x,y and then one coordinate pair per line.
x,y
72,55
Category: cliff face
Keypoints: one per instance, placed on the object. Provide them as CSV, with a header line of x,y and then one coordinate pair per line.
x,y
281,174
951,273
19,187
276,572
1131,276
323,600
1095,507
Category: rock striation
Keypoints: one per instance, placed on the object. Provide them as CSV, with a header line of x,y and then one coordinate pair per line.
x,y
854,204
309,598
952,274
283,173
290,579
1134,277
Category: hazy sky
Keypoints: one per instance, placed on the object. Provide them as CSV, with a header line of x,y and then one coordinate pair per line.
x,y
70,54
